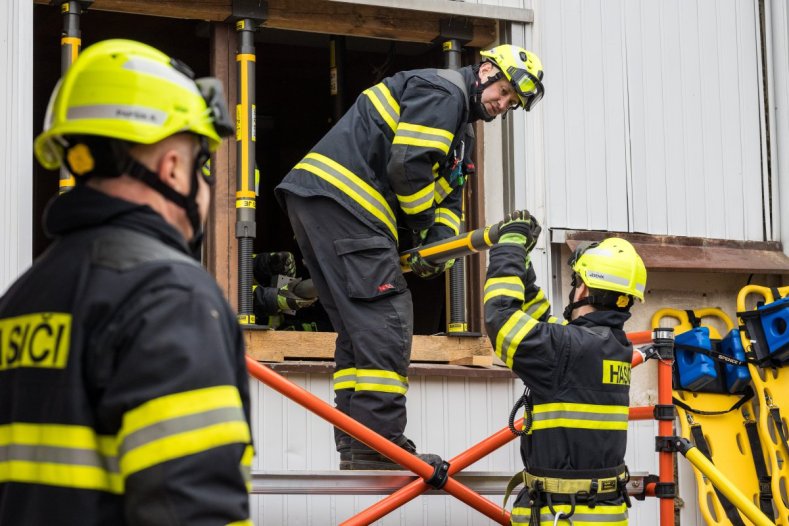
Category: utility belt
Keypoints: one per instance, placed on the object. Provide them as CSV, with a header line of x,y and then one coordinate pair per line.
x,y
558,486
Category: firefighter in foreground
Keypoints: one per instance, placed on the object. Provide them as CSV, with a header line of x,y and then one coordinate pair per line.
x,y
578,375
124,386
394,163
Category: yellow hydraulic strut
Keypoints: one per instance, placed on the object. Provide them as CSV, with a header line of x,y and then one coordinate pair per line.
x,y
247,19
70,44
459,246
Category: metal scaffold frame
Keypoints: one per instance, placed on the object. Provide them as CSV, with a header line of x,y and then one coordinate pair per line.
x,y
444,477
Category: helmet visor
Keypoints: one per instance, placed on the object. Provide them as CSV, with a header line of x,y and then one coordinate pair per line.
x,y
211,90
529,88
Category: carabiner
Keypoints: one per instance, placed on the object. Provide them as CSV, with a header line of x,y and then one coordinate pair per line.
x,y
561,515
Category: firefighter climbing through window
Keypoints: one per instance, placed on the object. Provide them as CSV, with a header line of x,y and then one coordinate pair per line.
x,y
386,166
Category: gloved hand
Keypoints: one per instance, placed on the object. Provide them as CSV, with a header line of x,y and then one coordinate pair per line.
x,y
520,228
269,264
426,270
287,299
420,266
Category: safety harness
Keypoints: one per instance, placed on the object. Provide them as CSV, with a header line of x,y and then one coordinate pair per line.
x,y
548,487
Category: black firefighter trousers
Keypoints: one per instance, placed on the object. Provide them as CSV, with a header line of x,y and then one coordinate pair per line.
x,y
356,271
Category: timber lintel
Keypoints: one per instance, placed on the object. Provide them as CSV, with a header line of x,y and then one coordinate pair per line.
x,y
318,16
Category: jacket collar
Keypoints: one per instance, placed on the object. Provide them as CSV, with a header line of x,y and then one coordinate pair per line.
x,y
84,207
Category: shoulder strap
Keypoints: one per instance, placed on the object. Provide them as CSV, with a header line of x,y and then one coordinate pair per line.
x,y
457,79
765,490
747,394
122,249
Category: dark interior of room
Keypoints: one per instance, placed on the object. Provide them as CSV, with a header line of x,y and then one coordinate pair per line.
x,y
293,100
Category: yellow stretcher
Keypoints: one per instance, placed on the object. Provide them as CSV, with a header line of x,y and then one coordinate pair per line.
x,y
719,426
772,388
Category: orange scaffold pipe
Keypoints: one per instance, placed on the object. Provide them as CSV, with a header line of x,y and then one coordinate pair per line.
x,y
373,439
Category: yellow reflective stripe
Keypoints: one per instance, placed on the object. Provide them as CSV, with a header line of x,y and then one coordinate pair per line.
x,y
385,103
179,425
57,435
511,335
425,130
419,201
582,515
246,466
183,444
381,381
443,189
580,416
382,388
445,216
423,136
353,186
59,455
537,306
511,286
63,475
241,523
345,379
554,319
177,405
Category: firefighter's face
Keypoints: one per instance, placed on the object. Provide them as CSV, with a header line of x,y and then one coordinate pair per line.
x,y
499,96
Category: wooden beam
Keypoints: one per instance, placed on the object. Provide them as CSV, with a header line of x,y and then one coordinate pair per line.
x,y
276,346
672,253
318,16
221,249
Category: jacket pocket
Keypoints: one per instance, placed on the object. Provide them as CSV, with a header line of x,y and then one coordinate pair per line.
x,y
372,267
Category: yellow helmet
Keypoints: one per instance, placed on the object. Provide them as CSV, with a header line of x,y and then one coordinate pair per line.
x,y
522,68
613,264
126,90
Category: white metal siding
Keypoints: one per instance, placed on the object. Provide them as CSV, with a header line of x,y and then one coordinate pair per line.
x,y
777,14
16,152
652,116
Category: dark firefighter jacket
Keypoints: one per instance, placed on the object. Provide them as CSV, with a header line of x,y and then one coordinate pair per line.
x,y
122,378
392,156
578,374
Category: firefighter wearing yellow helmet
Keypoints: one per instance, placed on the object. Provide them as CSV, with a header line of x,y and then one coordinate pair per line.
x,y
125,373
393,166
576,372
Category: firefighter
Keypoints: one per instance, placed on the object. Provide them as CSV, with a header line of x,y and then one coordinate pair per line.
x,y
394,161
122,373
577,375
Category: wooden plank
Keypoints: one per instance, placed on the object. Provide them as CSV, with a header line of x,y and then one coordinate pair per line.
x,y
317,16
415,369
697,254
221,249
276,346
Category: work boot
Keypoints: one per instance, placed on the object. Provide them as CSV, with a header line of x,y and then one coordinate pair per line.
x,y
368,459
344,448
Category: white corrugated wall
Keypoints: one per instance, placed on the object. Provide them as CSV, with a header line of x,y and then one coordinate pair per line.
x,y
777,15
16,151
653,116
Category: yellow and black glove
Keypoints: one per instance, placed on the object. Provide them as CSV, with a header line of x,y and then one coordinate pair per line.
x,y
520,228
420,266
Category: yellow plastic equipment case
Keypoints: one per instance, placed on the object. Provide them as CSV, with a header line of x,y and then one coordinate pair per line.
x,y
718,424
